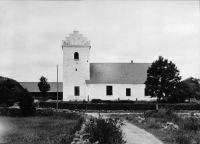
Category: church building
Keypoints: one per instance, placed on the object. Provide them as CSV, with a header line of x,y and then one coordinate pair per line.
x,y
83,80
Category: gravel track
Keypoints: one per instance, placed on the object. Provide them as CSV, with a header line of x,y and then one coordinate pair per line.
x,y
134,134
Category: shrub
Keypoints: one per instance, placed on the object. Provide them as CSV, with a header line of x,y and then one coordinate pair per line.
x,y
95,101
119,106
154,125
94,106
183,137
26,104
54,113
163,115
105,131
191,123
9,103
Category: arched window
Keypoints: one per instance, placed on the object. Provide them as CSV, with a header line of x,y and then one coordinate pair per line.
x,y
76,56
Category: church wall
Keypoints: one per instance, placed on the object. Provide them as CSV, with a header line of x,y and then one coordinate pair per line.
x,y
75,72
98,91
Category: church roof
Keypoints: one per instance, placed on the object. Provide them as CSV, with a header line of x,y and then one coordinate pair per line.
x,y
118,73
33,86
104,73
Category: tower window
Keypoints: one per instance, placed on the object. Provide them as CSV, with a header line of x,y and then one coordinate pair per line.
x,y
109,90
146,92
76,56
128,92
76,90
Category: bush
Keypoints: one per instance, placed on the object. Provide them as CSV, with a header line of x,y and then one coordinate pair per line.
x,y
111,101
9,103
54,113
163,115
94,106
95,101
26,104
106,131
191,123
119,106
182,137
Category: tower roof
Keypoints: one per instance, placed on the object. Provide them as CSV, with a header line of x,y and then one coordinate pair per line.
x,y
76,40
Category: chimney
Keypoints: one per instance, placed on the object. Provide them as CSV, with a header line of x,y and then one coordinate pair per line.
x,y
131,61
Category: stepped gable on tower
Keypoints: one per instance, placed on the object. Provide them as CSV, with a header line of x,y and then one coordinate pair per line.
x,y
75,39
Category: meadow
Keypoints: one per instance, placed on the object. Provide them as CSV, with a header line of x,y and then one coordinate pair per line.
x,y
46,126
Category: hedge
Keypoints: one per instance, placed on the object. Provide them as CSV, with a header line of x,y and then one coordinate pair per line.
x,y
92,106
117,106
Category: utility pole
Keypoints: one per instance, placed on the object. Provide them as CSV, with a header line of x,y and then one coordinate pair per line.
x,y
57,89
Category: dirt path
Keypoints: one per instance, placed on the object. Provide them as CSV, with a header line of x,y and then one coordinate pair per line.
x,y
135,135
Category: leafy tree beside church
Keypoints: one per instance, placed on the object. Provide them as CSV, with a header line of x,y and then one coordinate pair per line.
x,y
162,79
43,85
193,89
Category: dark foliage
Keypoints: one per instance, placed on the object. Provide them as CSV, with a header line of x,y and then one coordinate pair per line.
x,y
182,137
162,79
193,88
181,94
191,123
96,101
26,104
116,106
111,101
43,85
101,106
7,89
162,114
105,131
9,103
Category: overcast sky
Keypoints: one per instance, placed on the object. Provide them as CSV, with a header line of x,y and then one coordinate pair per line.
x,y
31,34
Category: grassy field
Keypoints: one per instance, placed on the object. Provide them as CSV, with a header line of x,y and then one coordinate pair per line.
x,y
40,130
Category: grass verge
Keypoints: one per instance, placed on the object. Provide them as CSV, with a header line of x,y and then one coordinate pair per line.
x,y
42,129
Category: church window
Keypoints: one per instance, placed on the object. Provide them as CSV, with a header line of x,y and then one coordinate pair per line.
x,y
146,93
109,90
76,90
128,92
76,56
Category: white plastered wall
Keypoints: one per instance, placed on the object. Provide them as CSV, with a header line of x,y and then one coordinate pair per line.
x,y
71,77
98,91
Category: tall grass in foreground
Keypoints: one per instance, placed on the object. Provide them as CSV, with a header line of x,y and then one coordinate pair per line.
x,y
42,130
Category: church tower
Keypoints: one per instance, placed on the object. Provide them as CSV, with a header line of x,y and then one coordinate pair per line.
x,y
76,67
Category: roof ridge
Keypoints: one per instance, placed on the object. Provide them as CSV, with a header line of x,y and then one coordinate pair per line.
x,y
120,63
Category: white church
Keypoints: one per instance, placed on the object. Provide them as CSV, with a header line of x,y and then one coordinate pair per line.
x,y
83,80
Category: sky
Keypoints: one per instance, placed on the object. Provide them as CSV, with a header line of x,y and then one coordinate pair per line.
x,y
31,34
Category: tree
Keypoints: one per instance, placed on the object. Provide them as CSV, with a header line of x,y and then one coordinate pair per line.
x,y
43,85
7,89
162,79
193,90
182,93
